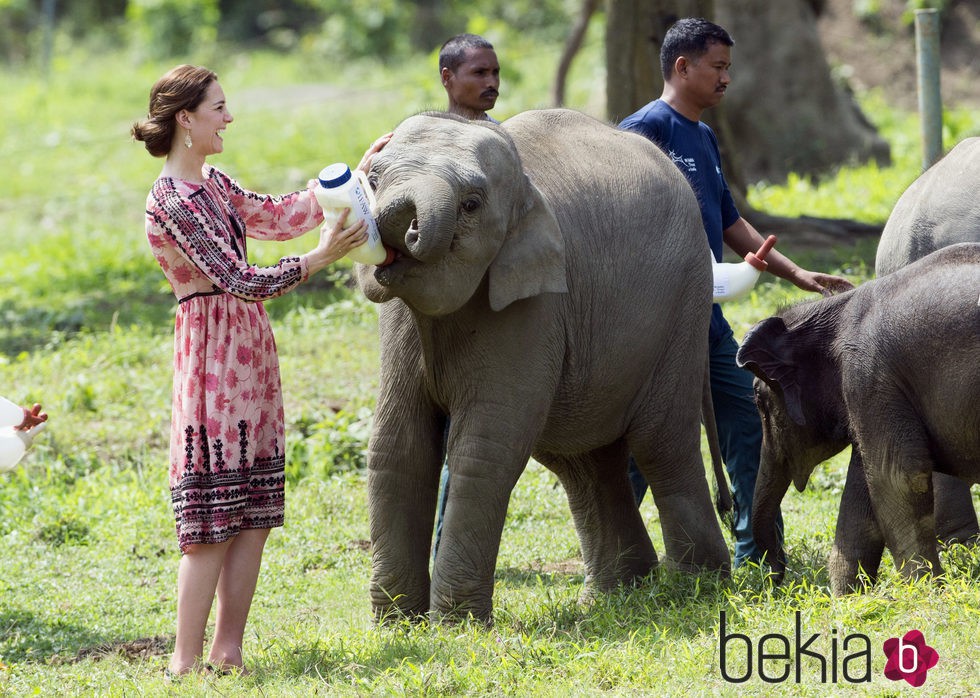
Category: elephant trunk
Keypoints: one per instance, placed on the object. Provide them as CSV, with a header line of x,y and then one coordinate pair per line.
x,y
771,485
420,218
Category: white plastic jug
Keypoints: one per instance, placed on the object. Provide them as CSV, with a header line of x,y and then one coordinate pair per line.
x,y
732,281
338,188
13,442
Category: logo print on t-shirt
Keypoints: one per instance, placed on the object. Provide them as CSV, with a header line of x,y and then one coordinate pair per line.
x,y
683,163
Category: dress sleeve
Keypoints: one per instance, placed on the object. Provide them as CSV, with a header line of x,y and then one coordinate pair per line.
x,y
202,237
268,217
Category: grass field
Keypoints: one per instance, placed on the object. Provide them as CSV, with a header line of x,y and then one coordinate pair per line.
x,y
87,581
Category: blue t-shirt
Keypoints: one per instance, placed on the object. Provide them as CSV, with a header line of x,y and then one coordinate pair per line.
x,y
693,148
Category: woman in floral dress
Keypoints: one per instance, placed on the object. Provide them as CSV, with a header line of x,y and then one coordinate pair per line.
x,y
226,444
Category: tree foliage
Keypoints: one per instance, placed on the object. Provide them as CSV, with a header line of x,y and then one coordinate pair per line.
x,y
165,28
385,29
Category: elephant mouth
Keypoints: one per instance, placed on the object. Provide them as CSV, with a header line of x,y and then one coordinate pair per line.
x,y
396,270
401,260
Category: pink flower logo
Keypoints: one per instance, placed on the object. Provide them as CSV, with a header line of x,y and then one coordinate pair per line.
x,y
909,658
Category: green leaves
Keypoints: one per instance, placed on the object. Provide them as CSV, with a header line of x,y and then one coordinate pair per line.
x,y
328,444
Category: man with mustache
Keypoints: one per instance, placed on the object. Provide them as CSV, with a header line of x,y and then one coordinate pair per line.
x,y
471,75
695,58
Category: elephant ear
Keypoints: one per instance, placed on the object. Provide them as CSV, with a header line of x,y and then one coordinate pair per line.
x,y
768,352
532,258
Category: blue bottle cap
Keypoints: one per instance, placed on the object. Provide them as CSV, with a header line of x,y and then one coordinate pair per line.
x,y
334,175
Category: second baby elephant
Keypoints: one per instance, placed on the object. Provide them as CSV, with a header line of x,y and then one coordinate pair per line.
x,y
550,296
890,369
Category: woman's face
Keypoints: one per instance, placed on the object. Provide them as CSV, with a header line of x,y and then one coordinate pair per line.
x,y
208,121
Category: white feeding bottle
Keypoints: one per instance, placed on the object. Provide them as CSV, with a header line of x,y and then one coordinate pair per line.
x,y
338,188
13,442
732,281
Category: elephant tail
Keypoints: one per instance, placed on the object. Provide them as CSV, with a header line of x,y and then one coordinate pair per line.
x,y
723,493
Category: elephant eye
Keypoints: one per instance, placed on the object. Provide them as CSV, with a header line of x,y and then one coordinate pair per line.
x,y
373,181
470,205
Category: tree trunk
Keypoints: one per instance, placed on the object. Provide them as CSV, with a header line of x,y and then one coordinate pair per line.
x,y
783,106
634,33
428,30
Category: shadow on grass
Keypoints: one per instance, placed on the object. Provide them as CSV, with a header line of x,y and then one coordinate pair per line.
x,y
27,638
682,603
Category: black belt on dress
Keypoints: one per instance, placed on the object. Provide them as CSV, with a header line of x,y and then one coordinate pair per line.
x,y
198,294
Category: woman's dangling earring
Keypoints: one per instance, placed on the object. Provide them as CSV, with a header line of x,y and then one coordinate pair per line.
x,y
187,140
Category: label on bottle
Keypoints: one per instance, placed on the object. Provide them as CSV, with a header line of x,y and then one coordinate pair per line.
x,y
361,205
722,281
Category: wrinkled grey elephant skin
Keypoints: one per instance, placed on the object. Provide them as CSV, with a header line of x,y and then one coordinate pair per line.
x,y
890,369
550,297
940,208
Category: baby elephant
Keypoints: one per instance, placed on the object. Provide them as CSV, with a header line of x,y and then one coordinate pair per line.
x,y
891,369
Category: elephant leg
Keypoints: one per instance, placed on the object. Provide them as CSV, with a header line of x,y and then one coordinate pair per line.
x,y
672,465
483,469
616,547
956,518
858,543
404,458
899,476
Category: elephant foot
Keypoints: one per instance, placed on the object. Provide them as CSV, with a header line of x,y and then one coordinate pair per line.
x,y
967,535
390,609
710,557
393,615
606,583
853,574
721,567
458,616
851,579
774,567
916,567
624,576
447,608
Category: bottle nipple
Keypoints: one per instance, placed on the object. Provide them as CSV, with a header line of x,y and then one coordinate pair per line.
x,y
758,259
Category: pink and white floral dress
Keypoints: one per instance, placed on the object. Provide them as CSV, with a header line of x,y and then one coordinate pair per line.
x,y
227,431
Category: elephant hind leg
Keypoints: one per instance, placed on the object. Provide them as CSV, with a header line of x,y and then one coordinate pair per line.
x,y
677,479
900,484
616,548
956,518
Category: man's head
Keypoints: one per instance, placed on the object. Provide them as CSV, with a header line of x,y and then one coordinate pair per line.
x,y
691,38
695,59
471,75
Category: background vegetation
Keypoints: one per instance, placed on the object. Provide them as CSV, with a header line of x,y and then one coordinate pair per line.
x,y
87,582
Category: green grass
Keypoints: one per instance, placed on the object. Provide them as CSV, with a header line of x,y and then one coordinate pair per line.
x,y
87,585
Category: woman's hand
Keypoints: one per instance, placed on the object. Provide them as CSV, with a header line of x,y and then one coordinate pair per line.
x,y
336,241
365,164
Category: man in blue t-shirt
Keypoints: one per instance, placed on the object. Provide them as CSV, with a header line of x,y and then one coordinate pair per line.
x,y
696,59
